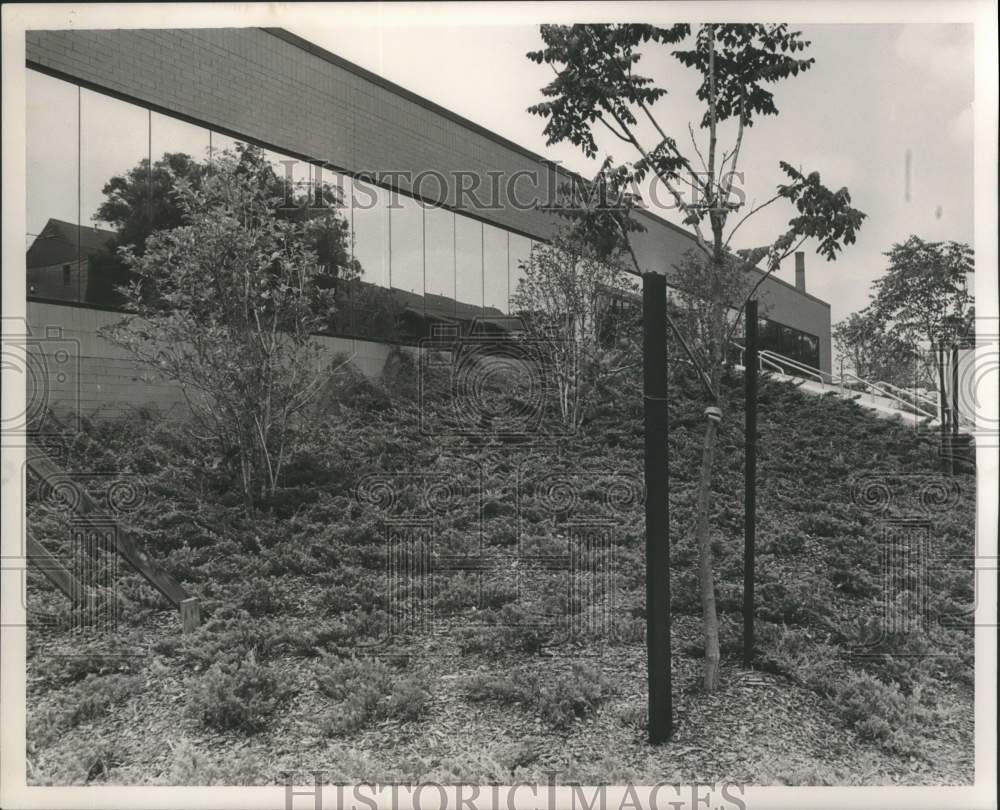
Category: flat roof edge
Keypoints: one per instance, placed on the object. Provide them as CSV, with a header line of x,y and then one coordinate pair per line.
x,y
381,81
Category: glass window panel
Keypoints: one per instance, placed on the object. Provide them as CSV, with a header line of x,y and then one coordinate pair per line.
x,y
407,246
114,142
469,266
114,189
52,165
520,255
172,136
439,233
178,149
495,269
219,143
328,188
293,174
370,215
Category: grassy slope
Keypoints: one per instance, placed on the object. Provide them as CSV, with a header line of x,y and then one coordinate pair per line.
x,y
491,684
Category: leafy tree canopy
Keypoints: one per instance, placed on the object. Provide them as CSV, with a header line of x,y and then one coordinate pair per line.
x,y
924,294
145,200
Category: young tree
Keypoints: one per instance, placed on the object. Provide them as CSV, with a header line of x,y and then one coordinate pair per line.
x,y
597,87
924,297
874,353
570,302
226,304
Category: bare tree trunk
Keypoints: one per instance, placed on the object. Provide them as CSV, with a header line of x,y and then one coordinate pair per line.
x,y
706,577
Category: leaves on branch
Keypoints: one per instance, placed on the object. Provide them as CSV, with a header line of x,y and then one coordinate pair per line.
x,y
745,58
823,214
594,79
600,210
925,293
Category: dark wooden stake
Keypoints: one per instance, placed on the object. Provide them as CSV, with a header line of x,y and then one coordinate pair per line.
x,y
944,408
750,478
654,362
954,395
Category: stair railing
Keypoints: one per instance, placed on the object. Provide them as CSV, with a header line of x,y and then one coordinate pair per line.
x,y
910,400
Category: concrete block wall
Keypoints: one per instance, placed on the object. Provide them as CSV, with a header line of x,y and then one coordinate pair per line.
x,y
72,369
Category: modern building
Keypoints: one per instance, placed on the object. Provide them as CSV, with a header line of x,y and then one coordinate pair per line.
x,y
441,210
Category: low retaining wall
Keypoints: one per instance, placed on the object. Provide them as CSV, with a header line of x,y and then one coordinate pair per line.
x,y
70,368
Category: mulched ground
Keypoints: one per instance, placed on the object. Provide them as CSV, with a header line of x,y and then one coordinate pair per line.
x,y
757,728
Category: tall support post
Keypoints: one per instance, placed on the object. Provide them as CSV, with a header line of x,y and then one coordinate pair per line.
x,y
939,353
750,479
654,365
954,393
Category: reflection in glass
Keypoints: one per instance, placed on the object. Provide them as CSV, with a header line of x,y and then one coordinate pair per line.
x,y
520,255
51,175
114,143
179,150
115,197
495,268
372,309
371,232
292,174
406,232
469,265
219,143
439,225
171,136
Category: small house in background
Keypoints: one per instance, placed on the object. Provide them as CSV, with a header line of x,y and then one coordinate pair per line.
x,y
58,257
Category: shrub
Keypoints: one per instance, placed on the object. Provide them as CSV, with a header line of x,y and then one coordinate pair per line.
x,y
880,712
368,690
512,629
193,767
90,760
89,700
558,699
571,695
92,660
238,697
410,697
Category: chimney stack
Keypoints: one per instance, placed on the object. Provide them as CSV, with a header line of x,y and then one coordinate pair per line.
x,y
800,271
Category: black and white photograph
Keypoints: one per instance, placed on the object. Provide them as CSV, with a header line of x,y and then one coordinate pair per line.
x,y
442,405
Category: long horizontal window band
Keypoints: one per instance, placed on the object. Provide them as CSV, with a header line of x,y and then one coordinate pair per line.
x,y
425,272
380,178
102,174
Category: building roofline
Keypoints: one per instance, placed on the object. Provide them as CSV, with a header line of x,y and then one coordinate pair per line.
x,y
427,104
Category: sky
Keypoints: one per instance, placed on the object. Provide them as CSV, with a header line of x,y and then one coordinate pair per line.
x,y
876,94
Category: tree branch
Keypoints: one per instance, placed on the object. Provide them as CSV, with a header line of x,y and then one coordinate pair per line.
x,y
774,264
612,130
694,143
712,134
735,156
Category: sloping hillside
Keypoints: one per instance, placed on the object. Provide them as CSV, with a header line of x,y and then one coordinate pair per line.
x,y
512,643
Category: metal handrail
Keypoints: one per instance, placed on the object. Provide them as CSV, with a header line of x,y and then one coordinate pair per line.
x,y
888,394
782,364
795,364
906,392
760,360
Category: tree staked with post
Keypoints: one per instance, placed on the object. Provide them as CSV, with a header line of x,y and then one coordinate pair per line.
x,y
596,91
